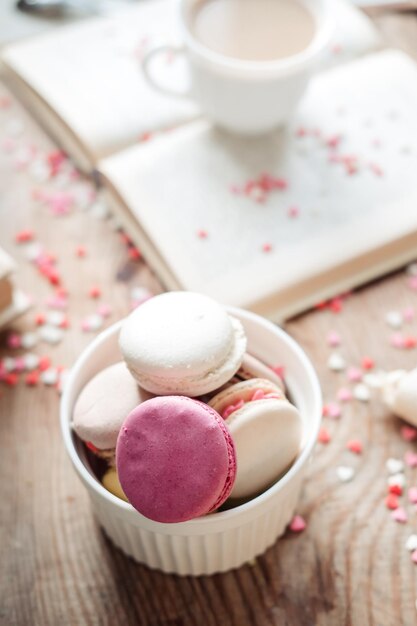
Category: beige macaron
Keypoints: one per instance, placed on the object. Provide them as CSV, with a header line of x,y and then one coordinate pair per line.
x,y
266,429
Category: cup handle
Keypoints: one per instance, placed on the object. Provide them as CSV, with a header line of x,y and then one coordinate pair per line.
x,y
147,71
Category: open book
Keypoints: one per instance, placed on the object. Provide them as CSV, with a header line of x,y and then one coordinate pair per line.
x,y
273,224
84,81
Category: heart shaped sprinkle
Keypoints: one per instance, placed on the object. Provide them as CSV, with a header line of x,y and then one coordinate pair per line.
x,y
411,543
336,362
297,524
408,433
400,515
410,458
412,495
394,466
355,446
391,501
345,473
361,392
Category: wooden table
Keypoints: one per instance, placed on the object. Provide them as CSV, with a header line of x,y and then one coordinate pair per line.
x,y
57,568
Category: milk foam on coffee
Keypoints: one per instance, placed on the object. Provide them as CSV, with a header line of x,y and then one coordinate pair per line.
x,y
253,30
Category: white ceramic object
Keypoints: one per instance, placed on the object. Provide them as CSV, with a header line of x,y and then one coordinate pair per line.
x,y
220,541
246,97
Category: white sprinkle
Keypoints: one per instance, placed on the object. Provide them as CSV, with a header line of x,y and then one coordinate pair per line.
x,y
29,340
9,363
411,543
394,466
140,294
361,392
51,334
394,319
31,361
50,376
396,479
33,251
55,318
39,171
336,362
99,210
92,322
345,473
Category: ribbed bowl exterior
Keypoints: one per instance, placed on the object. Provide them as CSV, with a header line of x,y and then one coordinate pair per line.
x,y
220,541
205,553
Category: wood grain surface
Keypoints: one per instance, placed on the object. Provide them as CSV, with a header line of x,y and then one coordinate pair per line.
x,y
349,567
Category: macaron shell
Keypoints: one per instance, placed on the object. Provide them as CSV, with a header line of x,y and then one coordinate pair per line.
x,y
267,436
175,459
182,343
104,403
252,367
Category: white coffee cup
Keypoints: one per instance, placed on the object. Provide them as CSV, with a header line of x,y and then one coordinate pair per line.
x,y
247,97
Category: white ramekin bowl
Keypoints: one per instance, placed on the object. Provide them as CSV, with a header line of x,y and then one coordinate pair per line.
x,y
220,541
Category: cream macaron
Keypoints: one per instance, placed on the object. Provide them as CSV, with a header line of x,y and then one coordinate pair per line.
x,y
182,343
266,429
102,406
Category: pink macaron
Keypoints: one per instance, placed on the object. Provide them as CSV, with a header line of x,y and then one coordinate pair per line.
x,y
175,459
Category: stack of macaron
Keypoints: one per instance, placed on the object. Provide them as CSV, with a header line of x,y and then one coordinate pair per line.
x,y
188,419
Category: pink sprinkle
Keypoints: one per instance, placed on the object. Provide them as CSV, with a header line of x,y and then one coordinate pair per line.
x,y
333,339
60,202
293,211
344,394
412,283
410,458
409,314
19,364
94,292
301,132
414,556
297,524
412,495
376,169
14,341
354,374
397,340
333,410
80,251
334,141
267,247
400,515
202,234
408,433
57,302
104,310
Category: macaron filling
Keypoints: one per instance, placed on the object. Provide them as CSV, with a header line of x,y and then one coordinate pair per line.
x,y
258,394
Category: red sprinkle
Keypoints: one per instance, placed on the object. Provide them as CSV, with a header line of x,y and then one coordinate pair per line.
x,y
202,234
44,363
408,433
267,247
11,379
32,378
24,236
395,489
134,254
94,292
355,446
40,319
324,435
391,501
367,363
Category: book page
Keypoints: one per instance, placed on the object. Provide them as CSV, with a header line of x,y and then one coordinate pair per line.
x,y
90,75
247,219
88,78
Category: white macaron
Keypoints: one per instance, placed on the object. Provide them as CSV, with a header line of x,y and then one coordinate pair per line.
x,y
182,343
